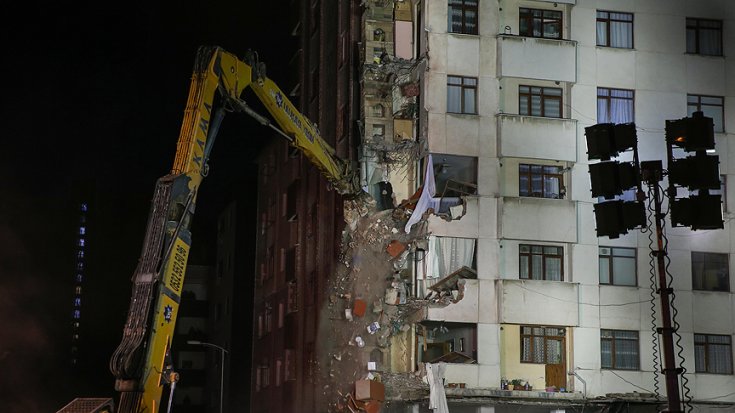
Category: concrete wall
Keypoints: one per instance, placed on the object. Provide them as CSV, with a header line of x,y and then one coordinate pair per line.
x,y
662,75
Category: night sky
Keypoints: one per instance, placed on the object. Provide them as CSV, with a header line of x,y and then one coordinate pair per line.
x,y
93,99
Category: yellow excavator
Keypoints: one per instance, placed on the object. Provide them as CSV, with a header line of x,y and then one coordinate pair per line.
x,y
142,362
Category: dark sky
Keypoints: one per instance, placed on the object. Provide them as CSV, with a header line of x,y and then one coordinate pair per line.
x,y
93,98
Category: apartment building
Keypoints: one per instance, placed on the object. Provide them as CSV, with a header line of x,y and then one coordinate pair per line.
x,y
508,89
498,93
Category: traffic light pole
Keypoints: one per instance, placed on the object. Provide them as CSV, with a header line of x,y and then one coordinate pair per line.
x,y
667,332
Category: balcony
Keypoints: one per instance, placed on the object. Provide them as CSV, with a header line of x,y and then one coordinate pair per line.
x,y
538,302
536,58
537,137
539,219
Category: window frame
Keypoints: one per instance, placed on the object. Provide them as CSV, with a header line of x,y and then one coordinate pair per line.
x,y
613,352
704,256
699,105
704,345
544,257
546,337
529,17
528,192
462,88
608,25
611,274
464,7
544,97
609,98
696,27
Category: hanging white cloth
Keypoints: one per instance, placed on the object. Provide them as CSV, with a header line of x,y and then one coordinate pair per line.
x,y
426,200
437,396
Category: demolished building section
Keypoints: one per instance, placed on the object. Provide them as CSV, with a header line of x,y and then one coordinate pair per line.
x,y
474,281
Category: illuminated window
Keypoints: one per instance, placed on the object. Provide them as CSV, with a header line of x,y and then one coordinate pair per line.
x,y
82,230
77,314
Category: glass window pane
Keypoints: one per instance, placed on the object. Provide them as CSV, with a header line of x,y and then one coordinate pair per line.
x,y
523,105
553,269
699,358
524,267
552,108
537,267
623,271
453,99
606,354
624,252
469,101
604,270
536,105
691,41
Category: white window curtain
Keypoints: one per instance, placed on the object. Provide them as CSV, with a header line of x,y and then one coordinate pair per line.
x,y
447,254
615,107
621,33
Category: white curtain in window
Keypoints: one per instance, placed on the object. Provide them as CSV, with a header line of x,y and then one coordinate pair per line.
x,y
621,33
427,195
454,99
709,40
720,355
601,33
446,255
614,105
553,269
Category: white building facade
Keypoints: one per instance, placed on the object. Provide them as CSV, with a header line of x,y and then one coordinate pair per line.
x,y
508,88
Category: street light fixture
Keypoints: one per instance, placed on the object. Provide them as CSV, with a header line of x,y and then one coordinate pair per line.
x,y
221,367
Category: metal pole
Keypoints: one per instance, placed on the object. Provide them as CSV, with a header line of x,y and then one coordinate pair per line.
x,y
670,369
222,380
222,368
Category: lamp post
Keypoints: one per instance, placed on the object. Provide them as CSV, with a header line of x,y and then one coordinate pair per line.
x,y
221,367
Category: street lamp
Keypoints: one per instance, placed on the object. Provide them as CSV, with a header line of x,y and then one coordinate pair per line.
x,y
221,367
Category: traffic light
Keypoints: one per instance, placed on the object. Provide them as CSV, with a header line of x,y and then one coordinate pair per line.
x,y
699,173
691,134
606,140
611,178
617,217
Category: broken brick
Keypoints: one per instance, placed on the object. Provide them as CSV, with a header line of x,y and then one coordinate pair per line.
x,y
395,248
359,308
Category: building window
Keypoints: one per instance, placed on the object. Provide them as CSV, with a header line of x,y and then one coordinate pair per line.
x,y
614,105
704,37
541,262
619,349
378,110
463,16
540,23
540,181
82,230
712,106
462,94
542,345
618,266
615,29
713,354
710,271
539,101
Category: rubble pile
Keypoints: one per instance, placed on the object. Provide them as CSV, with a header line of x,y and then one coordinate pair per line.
x,y
369,301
